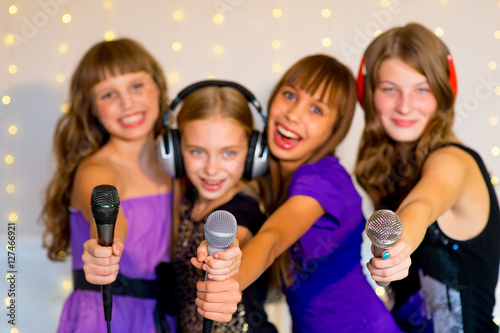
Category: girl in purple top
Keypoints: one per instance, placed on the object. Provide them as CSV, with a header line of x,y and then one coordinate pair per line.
x,y
316,219
117,99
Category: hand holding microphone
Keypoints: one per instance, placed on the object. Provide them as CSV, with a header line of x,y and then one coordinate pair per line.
x,y
384,228
105,205
220,231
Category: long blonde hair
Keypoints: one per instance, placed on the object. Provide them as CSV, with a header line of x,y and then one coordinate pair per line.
x,y
338,84
381,169
78,133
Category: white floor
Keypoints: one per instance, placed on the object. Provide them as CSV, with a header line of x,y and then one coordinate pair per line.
x,y
42,286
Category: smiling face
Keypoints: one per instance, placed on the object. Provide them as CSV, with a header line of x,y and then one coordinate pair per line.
x,y
127,105
214,151
298,124
403,100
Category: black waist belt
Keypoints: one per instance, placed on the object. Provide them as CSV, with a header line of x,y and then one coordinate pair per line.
x,y
161,289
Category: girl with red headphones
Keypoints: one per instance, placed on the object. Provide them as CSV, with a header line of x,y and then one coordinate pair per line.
x,y
410,161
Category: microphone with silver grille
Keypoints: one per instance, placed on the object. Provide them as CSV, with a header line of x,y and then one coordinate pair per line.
x,y
384,228
220,231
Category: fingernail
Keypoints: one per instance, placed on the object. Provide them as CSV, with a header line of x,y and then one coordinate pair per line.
x,y
371,259
216,256
204,267
385,255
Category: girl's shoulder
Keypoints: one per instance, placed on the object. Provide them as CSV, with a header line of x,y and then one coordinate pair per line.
x,y
326,175
451,155
326,168
91,172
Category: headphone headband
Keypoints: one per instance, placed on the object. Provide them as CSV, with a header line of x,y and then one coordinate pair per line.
x,y
168,148
212,83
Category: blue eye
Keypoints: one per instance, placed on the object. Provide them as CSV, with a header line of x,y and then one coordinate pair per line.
x,y
196,152
317,110
137,86
289,95
229,153
107,95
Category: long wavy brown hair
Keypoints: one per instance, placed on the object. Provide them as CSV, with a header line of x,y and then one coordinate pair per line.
x,y
78,133
339,87
381,167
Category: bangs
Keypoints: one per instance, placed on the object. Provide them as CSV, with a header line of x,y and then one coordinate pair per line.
x,y
312,74
113,59
310,80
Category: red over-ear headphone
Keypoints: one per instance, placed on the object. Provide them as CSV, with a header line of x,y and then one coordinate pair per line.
x,y
452,76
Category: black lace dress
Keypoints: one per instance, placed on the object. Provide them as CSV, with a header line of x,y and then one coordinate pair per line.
x,y
250,316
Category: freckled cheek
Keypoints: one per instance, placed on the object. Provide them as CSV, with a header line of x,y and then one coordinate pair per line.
x,y
192,167
234,167
104,110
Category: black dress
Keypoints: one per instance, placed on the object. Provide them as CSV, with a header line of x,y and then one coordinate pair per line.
x,y
250,316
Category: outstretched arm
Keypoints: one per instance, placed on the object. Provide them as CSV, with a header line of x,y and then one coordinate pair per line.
x,y
218,299
283,228
441,187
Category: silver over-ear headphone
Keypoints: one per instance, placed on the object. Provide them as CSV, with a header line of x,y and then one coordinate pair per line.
x,y
168,148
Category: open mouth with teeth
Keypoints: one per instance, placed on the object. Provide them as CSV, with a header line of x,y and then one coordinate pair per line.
x,y
285,138
132,120
212,185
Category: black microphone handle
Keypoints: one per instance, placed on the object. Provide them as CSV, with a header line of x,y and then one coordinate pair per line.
x,y
105,234
207,325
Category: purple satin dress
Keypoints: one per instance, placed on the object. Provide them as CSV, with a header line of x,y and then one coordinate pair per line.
x,y
146,245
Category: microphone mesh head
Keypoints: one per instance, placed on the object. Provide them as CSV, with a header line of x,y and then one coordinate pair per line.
x,y
384,228
105,204
220,229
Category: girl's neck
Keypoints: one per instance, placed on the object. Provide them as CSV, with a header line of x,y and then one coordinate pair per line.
x,y
288,168
203,207
140,150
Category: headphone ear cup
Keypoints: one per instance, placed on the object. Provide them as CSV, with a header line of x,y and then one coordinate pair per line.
x,y
168,153
176,151
252,142
452,75
361,81
256,163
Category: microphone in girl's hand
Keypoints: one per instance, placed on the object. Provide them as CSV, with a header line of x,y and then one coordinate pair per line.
x,y
220,231
105,205
384,228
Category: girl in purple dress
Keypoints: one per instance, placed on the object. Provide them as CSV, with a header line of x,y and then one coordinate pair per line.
x,y
117,100
316,219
